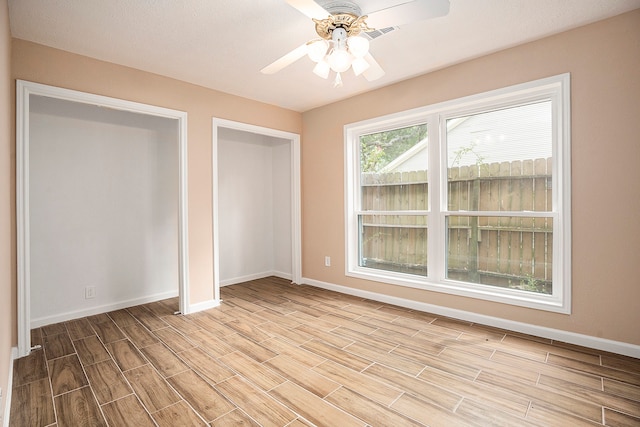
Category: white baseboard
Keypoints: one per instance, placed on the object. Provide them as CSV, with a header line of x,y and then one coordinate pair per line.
x,y
6,413
204,305
617,347
255,276
63,317
282,275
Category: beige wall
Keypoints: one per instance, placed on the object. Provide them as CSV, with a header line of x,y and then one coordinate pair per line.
x,y
7,254
54,67
604,62
603,59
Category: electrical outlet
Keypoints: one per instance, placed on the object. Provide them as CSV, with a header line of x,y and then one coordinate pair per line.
x,y
89,292
327,261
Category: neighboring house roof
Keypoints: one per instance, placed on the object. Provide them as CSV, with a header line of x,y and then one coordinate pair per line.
x,y
413,159
519,133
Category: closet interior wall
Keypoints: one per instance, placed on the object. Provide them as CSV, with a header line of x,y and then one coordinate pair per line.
x,y
254,210
103,195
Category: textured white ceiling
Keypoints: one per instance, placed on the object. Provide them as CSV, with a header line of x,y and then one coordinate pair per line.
x,y
223,44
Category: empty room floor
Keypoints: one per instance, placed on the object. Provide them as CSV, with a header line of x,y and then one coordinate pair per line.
x,y
275,354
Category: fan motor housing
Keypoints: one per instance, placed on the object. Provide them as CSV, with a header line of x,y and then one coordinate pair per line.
x,y
338,7
344,14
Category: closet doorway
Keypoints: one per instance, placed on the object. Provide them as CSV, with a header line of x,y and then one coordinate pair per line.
x,y
101,205
256,203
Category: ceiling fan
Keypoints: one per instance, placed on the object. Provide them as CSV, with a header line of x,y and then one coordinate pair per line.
x,y
339,25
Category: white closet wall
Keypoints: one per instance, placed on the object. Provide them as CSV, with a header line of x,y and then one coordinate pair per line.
x,y
282,221
103,208
254,206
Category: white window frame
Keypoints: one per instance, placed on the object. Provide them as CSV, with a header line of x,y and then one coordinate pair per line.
x,y
556,89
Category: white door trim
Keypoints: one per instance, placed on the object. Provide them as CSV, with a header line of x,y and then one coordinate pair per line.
x,y
296,223
23,90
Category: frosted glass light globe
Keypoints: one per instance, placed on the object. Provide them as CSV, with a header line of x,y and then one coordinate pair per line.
x,y
316,50
322,69
358,46
340,60
360,65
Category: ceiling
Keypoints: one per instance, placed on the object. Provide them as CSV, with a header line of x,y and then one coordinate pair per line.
x,y
223,44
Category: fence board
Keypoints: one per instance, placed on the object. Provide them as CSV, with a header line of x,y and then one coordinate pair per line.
x,y
503,251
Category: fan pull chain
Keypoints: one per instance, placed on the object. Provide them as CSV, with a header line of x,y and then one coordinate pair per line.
x,y
338,81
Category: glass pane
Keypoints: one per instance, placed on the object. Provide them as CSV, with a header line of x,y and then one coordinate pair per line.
x,y
394,243
508,252
393,169
501,160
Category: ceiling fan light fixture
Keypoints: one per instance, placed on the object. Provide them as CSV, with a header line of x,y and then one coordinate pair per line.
x,y
340,24
317,50
358,46
340,60
322,69
359,65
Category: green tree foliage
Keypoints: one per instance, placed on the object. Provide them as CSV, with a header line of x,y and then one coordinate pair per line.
x,y
463,151
379,149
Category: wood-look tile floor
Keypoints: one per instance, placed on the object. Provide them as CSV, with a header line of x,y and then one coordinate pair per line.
x,y
275,354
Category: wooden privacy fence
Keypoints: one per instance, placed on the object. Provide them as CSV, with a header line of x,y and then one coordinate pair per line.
x,y
509,251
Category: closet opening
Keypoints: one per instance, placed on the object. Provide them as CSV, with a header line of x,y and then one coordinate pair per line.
x,y
101,199
256,195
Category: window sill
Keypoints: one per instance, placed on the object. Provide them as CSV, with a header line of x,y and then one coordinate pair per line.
x,y
482,292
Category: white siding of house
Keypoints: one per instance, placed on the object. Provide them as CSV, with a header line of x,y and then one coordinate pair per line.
x,y
499,136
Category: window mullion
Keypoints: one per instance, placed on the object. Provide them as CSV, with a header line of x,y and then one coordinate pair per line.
x,y
437,241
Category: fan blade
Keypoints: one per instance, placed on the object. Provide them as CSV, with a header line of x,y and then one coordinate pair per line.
x,y
286,60
411,11
375,71
309,8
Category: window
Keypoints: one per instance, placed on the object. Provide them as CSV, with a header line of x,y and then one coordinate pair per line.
x,y
393,218
469,197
